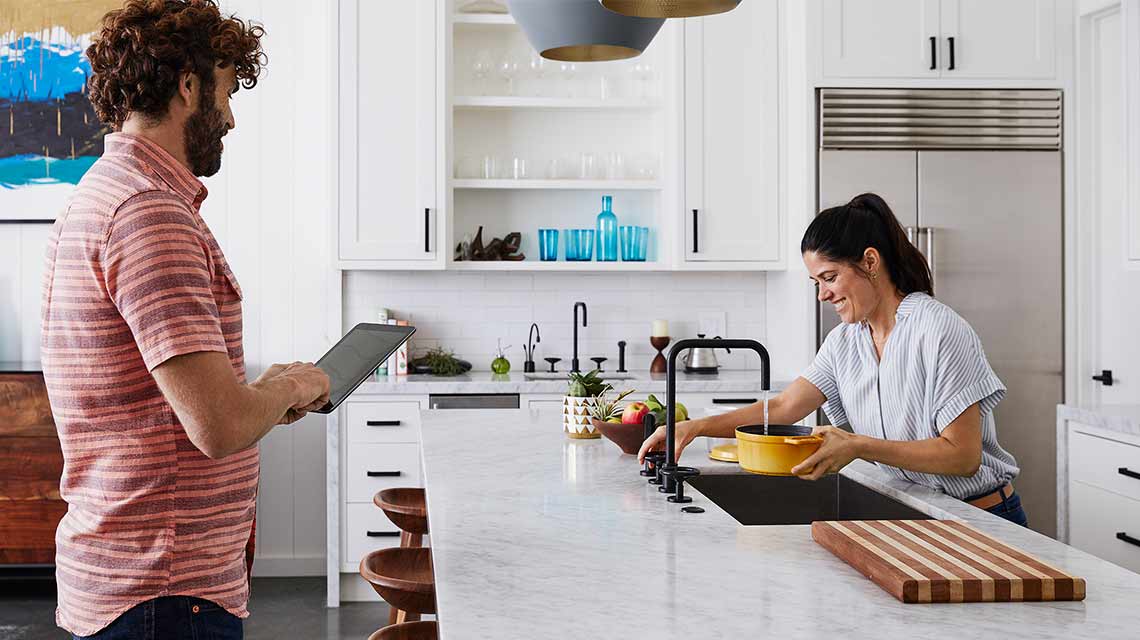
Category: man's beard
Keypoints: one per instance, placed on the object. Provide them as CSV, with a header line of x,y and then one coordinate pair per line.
x,y
202,136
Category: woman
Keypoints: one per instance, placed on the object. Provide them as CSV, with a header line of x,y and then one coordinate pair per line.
x,y
905,371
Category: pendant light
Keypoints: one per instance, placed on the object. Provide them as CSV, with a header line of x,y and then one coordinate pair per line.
x,y
669,8
582,30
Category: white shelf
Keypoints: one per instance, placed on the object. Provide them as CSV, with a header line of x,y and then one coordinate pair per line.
x,y
587,185
561,265
483,18
525,102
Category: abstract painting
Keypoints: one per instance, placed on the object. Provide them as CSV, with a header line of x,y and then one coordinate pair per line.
x,y
49,135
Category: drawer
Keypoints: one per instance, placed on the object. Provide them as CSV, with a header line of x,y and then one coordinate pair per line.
x,y
372,467
544,405
24,408
383,421
1096,517
1105,463
366,529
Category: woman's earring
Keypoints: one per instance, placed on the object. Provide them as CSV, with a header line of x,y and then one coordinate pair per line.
x,y
874,275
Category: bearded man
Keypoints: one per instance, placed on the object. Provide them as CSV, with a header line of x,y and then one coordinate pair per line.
x,y
142,343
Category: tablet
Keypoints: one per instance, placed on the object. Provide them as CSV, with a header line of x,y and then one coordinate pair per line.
x,y
356,356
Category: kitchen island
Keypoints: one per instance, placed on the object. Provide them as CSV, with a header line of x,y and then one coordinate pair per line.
x,y
536,535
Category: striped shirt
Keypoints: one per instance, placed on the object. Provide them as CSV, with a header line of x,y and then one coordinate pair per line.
x,y
134,277
933,368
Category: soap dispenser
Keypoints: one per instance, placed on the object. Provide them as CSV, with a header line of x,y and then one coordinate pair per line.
x,y
607,233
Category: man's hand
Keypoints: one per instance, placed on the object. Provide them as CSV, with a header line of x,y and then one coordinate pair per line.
x,y
311,383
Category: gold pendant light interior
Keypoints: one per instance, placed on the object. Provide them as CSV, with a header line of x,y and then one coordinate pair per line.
x,y
669,8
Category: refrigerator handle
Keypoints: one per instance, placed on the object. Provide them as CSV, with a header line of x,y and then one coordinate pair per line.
x,y
930,254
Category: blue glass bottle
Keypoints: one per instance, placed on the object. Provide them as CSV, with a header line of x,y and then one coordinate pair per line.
x,y
607,234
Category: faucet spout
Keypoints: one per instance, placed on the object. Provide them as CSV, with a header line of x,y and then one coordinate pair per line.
x,y
533,338
574,361
674,475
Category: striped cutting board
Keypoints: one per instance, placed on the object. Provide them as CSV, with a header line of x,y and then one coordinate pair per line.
x,y
943,561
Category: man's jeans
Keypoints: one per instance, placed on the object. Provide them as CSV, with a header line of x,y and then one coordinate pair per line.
x,y
172,618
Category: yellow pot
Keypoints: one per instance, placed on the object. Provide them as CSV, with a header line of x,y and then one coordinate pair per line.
x,y
775,454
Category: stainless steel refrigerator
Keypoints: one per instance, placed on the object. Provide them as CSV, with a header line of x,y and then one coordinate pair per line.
x,y
976,177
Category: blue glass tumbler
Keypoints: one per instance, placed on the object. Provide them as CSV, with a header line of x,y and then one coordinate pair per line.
x,y
607,232
585,244
634,242
571,244
548,244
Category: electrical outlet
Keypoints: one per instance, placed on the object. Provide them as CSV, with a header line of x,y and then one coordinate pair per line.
x,y
711,323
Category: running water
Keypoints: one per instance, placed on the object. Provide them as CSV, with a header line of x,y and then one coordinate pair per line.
x,y
765,412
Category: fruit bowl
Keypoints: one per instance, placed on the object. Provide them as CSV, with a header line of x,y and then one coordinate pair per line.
x,y
628,437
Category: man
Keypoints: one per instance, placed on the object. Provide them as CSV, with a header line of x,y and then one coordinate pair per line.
x,y
142,343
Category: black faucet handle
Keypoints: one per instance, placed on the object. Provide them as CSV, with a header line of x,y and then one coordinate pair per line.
x,y
657,460
552,361
678,476
598,362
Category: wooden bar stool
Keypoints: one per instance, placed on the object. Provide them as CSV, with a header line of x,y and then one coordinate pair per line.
x,y
407,509
403,578
423,630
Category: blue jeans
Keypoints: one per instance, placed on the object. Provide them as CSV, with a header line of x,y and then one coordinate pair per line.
x,y
172,618
1010,509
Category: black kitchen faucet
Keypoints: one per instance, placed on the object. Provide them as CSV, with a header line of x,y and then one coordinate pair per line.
x,y
674,476
574,361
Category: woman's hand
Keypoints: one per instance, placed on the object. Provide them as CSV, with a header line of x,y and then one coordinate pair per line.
x,y
839,448
686,431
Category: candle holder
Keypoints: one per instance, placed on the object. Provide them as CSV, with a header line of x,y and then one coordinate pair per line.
x,y
659,343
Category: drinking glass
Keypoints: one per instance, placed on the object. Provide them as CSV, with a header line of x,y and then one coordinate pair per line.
x,y
587,166
516,168
572,244
634,242
508,69
614,165
481,65
548,244
585,244
490,168
537,67
568,70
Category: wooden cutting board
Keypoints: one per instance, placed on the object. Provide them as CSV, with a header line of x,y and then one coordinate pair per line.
x,y
943,561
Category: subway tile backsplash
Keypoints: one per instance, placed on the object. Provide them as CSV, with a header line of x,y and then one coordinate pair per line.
x,y
467,312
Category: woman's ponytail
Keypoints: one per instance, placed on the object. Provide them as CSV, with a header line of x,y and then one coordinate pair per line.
x,y
843,233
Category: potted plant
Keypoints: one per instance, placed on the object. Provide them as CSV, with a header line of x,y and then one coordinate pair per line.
x,y
581,395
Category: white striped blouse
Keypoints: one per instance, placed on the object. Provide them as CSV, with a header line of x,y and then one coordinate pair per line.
x,y
933,368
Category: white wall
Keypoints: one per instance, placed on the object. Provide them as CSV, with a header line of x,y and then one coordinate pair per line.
x,y
466,312
21,273
269,208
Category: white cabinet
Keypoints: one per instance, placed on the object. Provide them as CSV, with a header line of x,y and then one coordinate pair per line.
x,y
880,38
389,107
939,39
731,115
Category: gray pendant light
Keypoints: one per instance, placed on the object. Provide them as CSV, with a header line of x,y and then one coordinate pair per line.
x,y
582,30
669,8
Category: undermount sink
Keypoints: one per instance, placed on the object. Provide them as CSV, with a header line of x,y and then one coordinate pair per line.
x,y
561,375
759,500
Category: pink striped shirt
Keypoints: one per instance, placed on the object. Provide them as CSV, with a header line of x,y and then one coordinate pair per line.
x,y
134,277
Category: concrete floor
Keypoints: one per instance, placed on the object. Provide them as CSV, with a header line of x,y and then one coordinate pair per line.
x,y
279,608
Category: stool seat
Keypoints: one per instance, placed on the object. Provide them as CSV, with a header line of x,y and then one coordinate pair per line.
x,y
406,507
424,630
403,577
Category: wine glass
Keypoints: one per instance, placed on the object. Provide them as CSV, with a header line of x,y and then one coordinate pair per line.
x,y
508,69
537,67
481,66
568,70
647,73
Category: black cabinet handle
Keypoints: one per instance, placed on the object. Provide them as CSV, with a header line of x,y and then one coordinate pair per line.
x,y
383,474
1120,535
933,53
1105,377
1125,471
695,244
734,400
383,423
427,230
382,534
951,40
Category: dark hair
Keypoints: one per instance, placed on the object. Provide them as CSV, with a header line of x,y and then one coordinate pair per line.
x,y
143,48
843,233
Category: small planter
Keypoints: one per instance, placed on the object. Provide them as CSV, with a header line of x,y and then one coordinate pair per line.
x,y
576,418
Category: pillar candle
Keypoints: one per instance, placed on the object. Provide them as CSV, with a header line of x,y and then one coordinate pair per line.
x,y
660,329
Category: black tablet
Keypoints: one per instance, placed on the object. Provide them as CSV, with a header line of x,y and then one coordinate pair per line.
x,y
356,356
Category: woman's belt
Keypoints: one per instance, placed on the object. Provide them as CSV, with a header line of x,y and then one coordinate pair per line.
x,y
993,498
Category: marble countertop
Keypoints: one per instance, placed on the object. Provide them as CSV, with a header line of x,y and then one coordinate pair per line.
x,y
729,381
536,534
16,366
1123,418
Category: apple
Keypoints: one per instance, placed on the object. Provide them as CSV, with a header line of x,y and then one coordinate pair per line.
x,y
634,412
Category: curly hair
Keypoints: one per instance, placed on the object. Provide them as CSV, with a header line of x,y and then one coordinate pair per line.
x,y
143,48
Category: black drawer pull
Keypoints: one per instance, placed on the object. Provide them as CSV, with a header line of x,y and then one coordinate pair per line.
x,y
1120,535
383,474
382,534
383,423
734,400
933,53
951,41
696,245
1125,471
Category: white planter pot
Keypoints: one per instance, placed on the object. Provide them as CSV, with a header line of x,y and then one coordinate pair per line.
x,y
576,417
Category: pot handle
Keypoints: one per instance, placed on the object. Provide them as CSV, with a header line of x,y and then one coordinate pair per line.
x,y
804,440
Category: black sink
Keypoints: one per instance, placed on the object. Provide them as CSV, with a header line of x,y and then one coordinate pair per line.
x,y
755,499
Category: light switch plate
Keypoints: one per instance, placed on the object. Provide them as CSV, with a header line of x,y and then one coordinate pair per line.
x,y
712,323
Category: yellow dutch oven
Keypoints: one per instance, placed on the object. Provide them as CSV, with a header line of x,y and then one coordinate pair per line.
x,y
775,452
